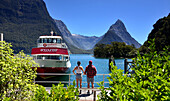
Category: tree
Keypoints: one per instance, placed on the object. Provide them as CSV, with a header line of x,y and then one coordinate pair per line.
x,y
117,49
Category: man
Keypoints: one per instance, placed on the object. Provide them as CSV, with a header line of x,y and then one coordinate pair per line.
x,y
91,72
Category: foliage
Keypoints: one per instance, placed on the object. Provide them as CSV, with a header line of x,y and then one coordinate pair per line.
x,y
57,93
62,94
149,82
16,75
117,49
40,94
160,33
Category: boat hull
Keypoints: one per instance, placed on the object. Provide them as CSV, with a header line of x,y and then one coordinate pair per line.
x,y
52,66
52,69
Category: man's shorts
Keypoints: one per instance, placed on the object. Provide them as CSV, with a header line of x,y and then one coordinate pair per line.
x,y
78,76
90,80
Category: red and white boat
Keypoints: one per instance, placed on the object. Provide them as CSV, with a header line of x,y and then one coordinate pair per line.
x,y
51,54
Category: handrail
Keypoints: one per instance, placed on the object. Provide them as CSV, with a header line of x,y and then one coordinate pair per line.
x,y
55,74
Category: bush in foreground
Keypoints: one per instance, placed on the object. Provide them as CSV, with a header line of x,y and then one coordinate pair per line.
x,y
57,93
16,75
149,82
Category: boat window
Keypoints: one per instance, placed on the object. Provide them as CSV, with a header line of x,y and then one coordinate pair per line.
x,y
46,57
50,40
39,57
45,40
54,41
56,57
41,40
65,57
49,57
58,40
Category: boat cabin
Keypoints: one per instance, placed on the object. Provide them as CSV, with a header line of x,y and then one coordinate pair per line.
x,y
51,41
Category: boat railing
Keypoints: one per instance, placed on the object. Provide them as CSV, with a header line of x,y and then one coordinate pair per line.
x,y
69,80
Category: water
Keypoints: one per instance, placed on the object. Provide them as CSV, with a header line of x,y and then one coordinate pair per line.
x,y
101,65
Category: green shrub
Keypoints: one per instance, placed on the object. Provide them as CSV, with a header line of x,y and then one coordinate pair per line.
x,y
57,93
40,94
16,75
149,82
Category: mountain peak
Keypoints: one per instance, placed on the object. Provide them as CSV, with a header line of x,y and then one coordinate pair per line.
x,y
118,25
119,22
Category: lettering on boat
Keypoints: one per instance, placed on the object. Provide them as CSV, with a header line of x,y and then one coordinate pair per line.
x,y
48,50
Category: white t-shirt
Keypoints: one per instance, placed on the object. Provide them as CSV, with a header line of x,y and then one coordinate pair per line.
x,y
78,70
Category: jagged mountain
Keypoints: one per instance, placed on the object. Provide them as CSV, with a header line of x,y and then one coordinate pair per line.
x,y
117,32
79,41
23,21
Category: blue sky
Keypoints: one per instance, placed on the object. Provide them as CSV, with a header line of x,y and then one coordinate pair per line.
x,y
94,17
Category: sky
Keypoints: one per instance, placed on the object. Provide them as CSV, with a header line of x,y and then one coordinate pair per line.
x,y
94,17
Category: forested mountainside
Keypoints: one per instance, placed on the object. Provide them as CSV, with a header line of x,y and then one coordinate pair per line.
x,y
161,33
23,21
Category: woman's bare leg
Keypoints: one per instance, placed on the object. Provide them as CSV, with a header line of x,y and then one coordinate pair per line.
x,y
77,80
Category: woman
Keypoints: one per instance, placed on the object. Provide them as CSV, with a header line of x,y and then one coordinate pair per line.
x,y
78,73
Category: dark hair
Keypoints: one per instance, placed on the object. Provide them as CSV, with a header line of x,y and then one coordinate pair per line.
x,y
78,62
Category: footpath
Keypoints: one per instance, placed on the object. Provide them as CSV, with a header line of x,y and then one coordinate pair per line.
x,y
84,96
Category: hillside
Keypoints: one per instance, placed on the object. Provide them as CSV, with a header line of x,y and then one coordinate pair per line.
x,y
161,33
79,41
23,21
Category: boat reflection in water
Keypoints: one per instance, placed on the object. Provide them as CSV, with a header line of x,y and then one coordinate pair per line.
x,y
53,79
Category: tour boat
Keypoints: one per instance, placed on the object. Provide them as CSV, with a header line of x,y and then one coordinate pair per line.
x,y
51,54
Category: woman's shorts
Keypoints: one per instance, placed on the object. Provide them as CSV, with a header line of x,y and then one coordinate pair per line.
x,y
78,76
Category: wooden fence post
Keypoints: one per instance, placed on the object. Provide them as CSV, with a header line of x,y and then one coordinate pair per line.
x,y
125,66
1,36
